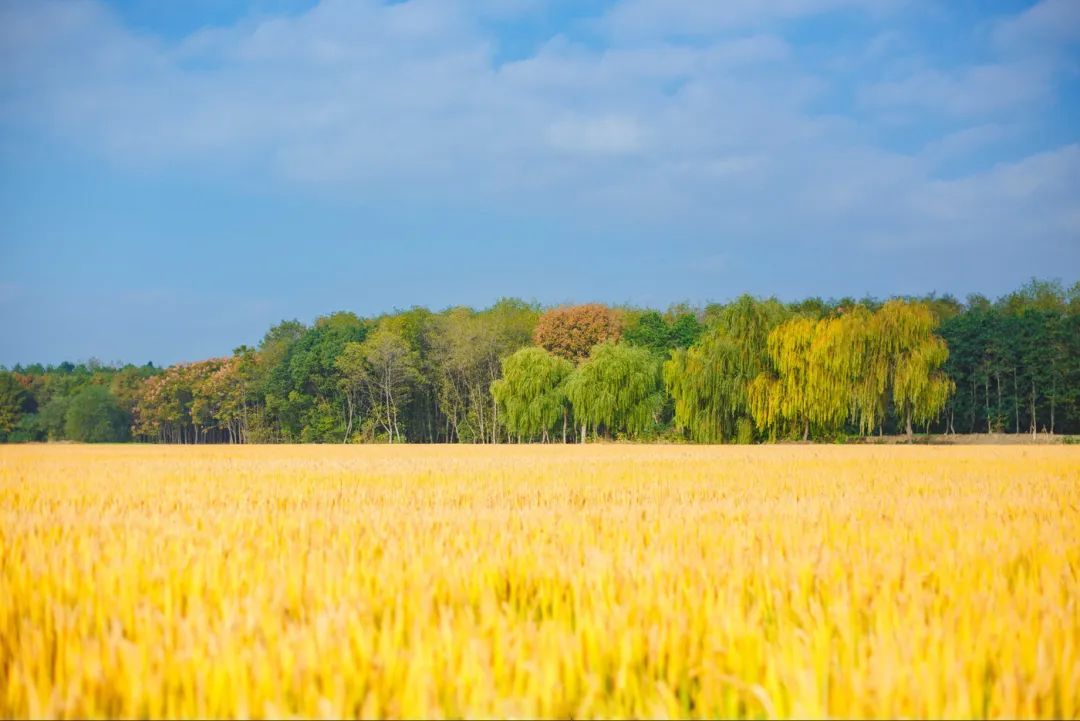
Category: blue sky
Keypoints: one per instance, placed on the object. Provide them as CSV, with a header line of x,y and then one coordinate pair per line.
x,y
175,177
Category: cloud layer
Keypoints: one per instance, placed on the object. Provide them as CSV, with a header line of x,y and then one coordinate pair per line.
x,y
681,107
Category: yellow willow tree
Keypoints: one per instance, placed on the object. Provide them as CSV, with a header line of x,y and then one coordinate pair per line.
x,y
817,367
911,356
779,401
868,369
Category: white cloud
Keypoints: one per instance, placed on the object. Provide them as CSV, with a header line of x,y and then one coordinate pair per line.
x,y
965,141
975,90
640,19
608,134
1047,24
718,135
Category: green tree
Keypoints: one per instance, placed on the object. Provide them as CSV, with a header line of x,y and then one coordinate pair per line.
x,y
385,368
709,381
95,416
617,390
662,335
467,348
53,417
816,368
13,399
303,390
531,393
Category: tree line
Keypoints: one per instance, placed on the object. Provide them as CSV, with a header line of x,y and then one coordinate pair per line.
x,y
752,370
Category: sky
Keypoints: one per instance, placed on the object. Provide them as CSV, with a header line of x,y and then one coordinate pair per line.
x,y
176,177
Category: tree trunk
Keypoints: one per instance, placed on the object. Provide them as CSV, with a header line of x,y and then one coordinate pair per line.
x,y
907,423
1016,403
997,377
564,426
1053,399
348,424
974,404
806,430
582,439
1034,424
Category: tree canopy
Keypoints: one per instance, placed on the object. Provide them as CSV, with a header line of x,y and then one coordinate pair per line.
x,y
616,390
532,393
751,369
571,332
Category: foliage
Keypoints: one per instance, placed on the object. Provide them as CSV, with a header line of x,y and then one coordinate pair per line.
x,y
13,400
617,390
468,348
911,355
95,416
531,393
844,368
571,332
860,367
709,382
385,368
303,393
662,335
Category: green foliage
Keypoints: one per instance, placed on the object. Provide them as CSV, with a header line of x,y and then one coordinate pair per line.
x,y
661,336
467,349
1016,363
302,390
747,370
704,383
95,416
709,382
532,394
13,400
52,418
386,370
617,390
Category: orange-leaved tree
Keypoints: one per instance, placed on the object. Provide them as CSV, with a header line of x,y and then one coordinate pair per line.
x,y
571,331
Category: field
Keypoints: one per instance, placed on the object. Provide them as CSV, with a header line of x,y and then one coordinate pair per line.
x,y
591,581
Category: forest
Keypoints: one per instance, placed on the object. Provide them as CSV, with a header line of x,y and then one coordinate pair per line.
x,y
751,370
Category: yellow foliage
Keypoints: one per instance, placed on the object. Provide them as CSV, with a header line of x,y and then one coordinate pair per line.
x,y
521,581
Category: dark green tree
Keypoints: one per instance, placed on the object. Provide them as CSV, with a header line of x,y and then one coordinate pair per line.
x,y
95,416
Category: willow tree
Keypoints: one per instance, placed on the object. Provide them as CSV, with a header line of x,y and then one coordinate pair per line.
x,y
531,395
703,383
817,365
748,321
709,381
837,359
617,389
911,355
779,400
868,372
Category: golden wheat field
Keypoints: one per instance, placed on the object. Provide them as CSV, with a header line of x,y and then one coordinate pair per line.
x,y
549,581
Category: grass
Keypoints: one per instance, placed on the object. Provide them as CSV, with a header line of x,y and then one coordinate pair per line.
x,y
596,581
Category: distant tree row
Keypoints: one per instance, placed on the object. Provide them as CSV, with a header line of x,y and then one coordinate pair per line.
x,y
746,371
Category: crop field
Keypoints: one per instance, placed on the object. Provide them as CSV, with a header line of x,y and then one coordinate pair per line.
x,y
549,581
